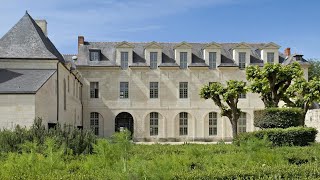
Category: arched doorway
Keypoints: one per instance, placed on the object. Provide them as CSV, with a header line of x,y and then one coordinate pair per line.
x,y
124,121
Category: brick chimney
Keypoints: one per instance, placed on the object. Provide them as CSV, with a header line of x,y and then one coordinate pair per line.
x,y
43,25
287,52
80,41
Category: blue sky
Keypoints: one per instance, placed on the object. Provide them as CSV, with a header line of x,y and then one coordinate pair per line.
x,y
289,23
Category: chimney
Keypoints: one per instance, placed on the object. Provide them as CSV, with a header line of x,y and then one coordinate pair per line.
x,y
287,52
80,41
43,25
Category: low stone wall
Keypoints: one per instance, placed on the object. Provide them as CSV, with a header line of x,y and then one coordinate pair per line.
x,y
313,120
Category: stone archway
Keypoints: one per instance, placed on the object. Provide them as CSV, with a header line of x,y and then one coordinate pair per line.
x,y
124,121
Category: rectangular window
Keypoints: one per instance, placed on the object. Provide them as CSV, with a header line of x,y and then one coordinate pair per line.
x,y
183,60
124,90
94,55
213,129
242,123
94,90
183,124
270,57
154,123
183,90
242,96
154,90
242,60
212,60
153,60
94,122
124,60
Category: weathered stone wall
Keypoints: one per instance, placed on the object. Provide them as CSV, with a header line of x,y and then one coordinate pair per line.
x,y
313,120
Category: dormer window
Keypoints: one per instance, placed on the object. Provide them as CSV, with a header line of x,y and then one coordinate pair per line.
x,y
183,60
212,60
124,60
242,60
270,57
298,58
153,60
94,55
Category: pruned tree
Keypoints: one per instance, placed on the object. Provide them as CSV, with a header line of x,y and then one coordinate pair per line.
x,y
226,98
303,93
272,81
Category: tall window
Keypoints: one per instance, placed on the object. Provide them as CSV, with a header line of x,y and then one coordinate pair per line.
x,y
124,90
153,60
270,57
94,55
242,95
64,95
242,60
212,60
242,123
68,83
183,123
183,60
154,123
94,89
213,123
154,90
94,122
183,90
124,60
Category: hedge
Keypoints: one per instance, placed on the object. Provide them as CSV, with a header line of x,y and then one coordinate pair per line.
x,y
278,118
293,136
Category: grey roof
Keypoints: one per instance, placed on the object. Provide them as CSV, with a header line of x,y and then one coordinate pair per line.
x,y
26,40
292,58
108,54
23,80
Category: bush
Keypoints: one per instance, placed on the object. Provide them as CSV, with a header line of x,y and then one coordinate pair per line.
x,y
278,118
296,136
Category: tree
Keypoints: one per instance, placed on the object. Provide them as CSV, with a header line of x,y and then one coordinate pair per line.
x,y
314,69
226,98
272,81
303,93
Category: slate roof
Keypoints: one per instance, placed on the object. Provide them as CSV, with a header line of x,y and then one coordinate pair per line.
x,y
108,54
26,40
22,81
292,58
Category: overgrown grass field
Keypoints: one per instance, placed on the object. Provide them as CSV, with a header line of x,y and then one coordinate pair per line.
x,y
118,158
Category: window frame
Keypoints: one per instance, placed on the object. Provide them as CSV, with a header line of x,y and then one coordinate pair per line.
x,y
154,123
154,90
268,57
95,55
183,90
242,62
212,60
124,90
183,124
124,60
183,60
94,90
242,122
213,123
153,60
94,122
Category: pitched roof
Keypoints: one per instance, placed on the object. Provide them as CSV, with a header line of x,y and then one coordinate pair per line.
x,y
108,53
26,40
22,81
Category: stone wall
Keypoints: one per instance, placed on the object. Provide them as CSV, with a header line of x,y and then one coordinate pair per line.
x,y
313,120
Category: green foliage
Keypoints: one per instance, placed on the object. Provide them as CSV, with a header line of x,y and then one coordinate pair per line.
x,y
314,69
272,81
296,136
278,117
72,139
226,98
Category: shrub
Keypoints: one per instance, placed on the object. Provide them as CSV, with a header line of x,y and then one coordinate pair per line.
x,y
278,118
296,136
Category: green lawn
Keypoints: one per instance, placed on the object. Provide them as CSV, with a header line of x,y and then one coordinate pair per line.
x,y
123,160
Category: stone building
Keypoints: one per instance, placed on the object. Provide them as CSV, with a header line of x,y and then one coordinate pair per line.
x,y
150,88
35,79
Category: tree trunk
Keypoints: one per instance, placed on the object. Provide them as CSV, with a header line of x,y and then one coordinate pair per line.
x,y
234,125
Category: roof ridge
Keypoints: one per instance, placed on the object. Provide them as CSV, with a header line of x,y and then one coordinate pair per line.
x,y
177,42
